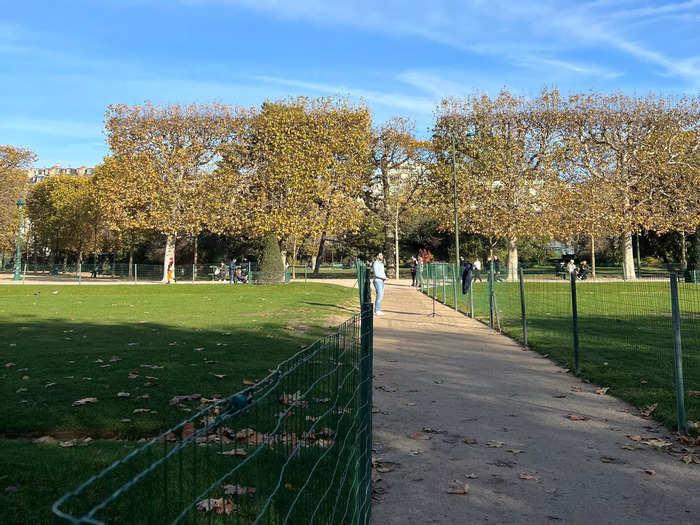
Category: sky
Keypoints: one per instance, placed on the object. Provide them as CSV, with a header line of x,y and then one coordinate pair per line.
x,y
62,62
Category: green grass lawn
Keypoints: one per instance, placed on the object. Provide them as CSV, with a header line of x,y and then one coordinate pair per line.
x,y
152,342
625,334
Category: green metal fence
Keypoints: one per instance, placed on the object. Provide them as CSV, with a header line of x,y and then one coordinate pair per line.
x,y
614,333
293,448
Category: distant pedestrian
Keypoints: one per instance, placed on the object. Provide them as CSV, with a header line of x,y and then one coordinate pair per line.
x,y
379,279
232,271
414,271
477,269
171,271
467,269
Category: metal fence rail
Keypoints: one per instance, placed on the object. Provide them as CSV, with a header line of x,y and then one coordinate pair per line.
x,y
293,448
624,332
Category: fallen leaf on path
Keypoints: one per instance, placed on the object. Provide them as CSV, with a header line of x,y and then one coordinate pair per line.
x,y
416,436
610,459
656,443
415,452
575,417
494,444
632,447
648,410
559,396
634,437
650,472
602,391
85,401
470,441
690,458
528,476
471,476
460,490
576,389
515,451
410,404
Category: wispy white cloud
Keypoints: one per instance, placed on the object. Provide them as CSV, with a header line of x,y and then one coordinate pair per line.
x,y
55,127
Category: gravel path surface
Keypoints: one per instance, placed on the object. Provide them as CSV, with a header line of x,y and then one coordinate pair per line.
x,y
459,404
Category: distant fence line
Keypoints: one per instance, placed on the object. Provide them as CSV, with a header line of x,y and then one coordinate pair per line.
x,y
649,329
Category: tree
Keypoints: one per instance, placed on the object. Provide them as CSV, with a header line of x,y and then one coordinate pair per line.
x,y
400,165
13,180
271,266
297,167
506,149
177,145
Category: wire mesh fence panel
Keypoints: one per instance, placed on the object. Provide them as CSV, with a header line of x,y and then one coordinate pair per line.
x,y
292,448
689,306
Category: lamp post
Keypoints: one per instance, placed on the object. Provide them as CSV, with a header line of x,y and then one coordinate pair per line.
x,y
18,255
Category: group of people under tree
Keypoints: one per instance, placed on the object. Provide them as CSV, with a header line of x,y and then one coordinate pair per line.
x,y
236,273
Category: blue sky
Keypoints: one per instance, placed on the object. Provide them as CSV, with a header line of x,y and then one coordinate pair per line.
x,y
63,61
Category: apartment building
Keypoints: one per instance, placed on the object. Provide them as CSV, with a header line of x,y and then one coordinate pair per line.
x,y
38,174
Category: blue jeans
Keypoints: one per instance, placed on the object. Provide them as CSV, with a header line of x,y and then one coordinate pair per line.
x,y
379,287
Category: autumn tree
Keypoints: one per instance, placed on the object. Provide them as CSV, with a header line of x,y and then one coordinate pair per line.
x,y
296,168
13,180
400,164
171,149
505,150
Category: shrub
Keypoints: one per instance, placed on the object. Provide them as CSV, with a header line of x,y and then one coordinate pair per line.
x,y
271,266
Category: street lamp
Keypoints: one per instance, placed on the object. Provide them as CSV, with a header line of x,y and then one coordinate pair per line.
x,y
18,255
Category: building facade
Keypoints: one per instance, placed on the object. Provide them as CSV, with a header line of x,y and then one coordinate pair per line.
x,y
39,174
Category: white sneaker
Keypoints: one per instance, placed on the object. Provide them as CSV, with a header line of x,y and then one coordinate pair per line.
x,y
379,313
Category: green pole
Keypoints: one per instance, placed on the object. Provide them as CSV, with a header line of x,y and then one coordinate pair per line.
x,y
677,353
454,199
574,317
366,356
471,300
18,255
522,305
491,292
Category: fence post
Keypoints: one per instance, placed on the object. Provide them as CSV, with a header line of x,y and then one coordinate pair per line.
x,y
522,305
454,286
491,292
366,357
471,300
677,353
574,317
444,289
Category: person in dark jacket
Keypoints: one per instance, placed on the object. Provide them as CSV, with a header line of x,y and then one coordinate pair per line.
x,y
467,268
414,271
232,271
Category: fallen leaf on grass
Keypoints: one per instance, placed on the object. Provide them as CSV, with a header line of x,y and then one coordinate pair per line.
x,y
575,417
217,505
648,410
187,430
45,439
460,490
238,490
8,365
85,401
694,393
219,376
123,394
528,476
248,382
178,399
602,391
141,410
234,452
20,390
494,444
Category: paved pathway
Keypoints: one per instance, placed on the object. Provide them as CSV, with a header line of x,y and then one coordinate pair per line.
x,y
453,375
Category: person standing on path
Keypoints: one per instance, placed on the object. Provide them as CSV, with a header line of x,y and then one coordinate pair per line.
x,y
379,279
414,270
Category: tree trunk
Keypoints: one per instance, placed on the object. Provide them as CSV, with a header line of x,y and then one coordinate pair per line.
x,y
628,273
294,257
131,261
696,256
396,243
684,254
512,259
169,255
592,257
319,255
65,262
194,263
388,249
